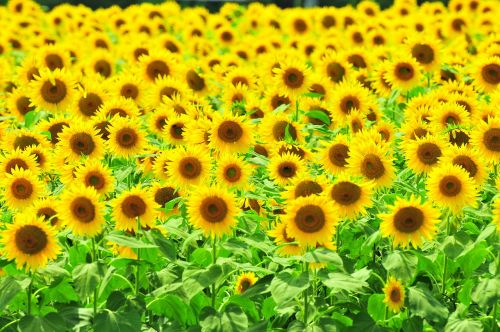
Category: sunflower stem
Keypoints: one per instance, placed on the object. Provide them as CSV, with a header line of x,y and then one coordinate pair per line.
x,y
138,270
94,257
445,267
214,259
306,292
30,291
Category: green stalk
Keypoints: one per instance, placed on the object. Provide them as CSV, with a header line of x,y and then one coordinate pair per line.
x,y
138,270
30,291
94,257
445,268
306,292
214,258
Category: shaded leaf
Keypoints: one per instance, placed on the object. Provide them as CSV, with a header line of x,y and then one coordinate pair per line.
x,y
286,285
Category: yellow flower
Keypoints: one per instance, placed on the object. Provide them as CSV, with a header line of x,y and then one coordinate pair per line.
x,y
245,281
394,295
21,187
133,207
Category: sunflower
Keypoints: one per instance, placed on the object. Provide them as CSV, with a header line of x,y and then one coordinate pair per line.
x,y
425,50
174,129
119,106
47,208
485,138
334,156
132,207
468,159
287,245
394,295
284,168
277,127
335,67
43,157
423,154
403,73
163,194
80,139
22,139
450,186
496,213
52,90
311,220
80,209
128,86
213,210
164,88
350,197
244,282
486,73
18,104
30,242
232,171
126,139
161,160
409,222
94,174
449,114
54,126
230,134
18,159
189,166
21,187
349,96
304,185
156,64
158,119
373,162
292,77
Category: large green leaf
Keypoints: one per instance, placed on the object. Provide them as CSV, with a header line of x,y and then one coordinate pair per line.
x,y
128,241
355,282
401,264
9,287
463,325
376,307
174,308
246,304
232,319
424,304
320,115
487,292
288,284
195,280
50,323
122,321
86,278
323,255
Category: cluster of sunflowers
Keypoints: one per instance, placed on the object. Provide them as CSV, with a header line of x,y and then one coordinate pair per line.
x,y
291,126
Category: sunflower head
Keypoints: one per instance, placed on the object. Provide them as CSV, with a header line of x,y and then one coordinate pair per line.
x,y
394,294
245,281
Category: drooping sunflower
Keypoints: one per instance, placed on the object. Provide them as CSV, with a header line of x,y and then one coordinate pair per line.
x,y
94,174
81,211
292,77
373,162
485,138
311,220
244,282
126,138
334,156
52,90
132,207
423,154
394,295
409,222
20,159
403,73
232,171
189,166
284,168
469,160
213,210
450,186
30,242
350,197
21,187
80,139
231,134
287,245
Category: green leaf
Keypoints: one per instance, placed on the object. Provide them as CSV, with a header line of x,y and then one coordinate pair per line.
x,y
487,292
86,278
128,241
324,255
452,247
195,280
424,304
246,304
363,322
30,119
413,324
166,246
344,282
465,293
401,264
463,325
173,307
9,288
286,285
232,319
268,308
201,257
50,323
115,300
320,115
109,321
376,307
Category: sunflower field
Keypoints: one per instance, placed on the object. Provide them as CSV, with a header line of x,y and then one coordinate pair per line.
x,y
255,169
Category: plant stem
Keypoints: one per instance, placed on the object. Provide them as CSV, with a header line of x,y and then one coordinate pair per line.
x,y
494,322
306,292
94,257
445,267
214,259
138,270
30,291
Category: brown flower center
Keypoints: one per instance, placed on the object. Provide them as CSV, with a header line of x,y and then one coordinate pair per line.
x,y
48,213
133,206
21,188
230,131
335,72
95,179
83,209
129,90
459,138
54,61
296,150
466,163
82,143
404,71
55,130
232,173
54,93
89,104
307,188
261,150
328,21
423,53
450,186
190,167
491,73
300,25
293,78
177,130
408,219
287,169
428,153
103,67
244,285
346,193
165,195
279,100
126,138
195,81
31,239
24,141
13,163
103,130
349,103
372,167
395,295
156,69
213,209
338,154
310,218
491,139
23,105
279,130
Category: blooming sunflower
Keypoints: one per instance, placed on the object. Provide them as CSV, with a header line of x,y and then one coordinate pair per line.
x,y
284,168
423,154
450,186
245,281
47,208
80,210
21,187
334,156
126,139
213,210
349,96
311,220
409,221
403,73
486,139
305,185
277,127
94,174
287,245
425,50
18,104
20,159
52,90
292,77
486,73
350,197
232,171
230,134
394,295
132,207
174,129
188,166
468,159
30,242
80,139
